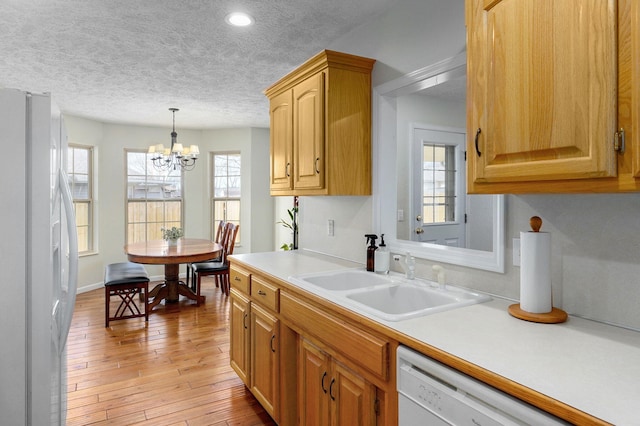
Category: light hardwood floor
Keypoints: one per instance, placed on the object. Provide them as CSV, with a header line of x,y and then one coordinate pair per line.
x,y
174,371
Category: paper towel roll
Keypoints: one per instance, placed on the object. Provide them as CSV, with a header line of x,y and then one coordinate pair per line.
x,y
535,272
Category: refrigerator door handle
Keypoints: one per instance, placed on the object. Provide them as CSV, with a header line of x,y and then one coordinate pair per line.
x,y
72,287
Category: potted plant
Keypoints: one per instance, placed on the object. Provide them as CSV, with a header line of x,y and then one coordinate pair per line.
x,y
291,224
171,235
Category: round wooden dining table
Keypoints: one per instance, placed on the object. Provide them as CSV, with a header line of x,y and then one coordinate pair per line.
x,y
159,252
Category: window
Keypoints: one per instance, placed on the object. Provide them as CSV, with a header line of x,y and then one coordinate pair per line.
x,y
225,199
439,183
80,172
154,198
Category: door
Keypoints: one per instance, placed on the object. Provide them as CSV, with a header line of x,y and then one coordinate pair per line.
x,y
264,358
240,336
353,398
308,133
438,185
542,89
281,143
313,385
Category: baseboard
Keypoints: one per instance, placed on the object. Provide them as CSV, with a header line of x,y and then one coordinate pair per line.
x,y
96,286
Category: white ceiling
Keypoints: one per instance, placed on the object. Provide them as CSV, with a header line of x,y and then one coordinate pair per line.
x,y
129,61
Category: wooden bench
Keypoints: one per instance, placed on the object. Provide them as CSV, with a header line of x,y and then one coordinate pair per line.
x,y
126,280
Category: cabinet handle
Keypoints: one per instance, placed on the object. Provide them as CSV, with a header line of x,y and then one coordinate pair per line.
x,y
477,136
237,278
271,344
262,293
323,388
286,170
619,141
316,165
244,321
333,398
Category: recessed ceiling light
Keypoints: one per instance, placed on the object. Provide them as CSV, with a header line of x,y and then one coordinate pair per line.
x,y
239,19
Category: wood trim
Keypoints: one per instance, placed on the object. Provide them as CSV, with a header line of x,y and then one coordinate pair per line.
x,y
317,63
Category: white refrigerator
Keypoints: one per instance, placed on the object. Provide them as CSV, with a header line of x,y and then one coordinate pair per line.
x,y
38,260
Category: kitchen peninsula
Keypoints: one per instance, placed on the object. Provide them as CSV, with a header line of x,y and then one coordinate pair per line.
x,y
561,368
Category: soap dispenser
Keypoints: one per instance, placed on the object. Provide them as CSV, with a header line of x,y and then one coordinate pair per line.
x,y
371,249
381,264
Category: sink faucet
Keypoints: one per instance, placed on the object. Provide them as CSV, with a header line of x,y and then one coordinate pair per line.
x,y
439,271
408,265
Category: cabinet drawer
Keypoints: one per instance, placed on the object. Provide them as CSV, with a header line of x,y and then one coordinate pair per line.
x,y
359,346
265,294
240,279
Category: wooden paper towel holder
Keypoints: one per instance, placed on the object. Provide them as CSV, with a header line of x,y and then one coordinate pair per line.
x,y
556,315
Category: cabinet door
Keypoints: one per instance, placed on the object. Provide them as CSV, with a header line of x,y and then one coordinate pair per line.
x,y
240,334
264,359
308,133
353,398
542,89
314,379
281,143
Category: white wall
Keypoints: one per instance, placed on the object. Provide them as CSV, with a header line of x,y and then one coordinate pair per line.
x,y
110,141
595,243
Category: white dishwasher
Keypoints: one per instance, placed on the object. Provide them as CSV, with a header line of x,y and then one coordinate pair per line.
x,y
430,393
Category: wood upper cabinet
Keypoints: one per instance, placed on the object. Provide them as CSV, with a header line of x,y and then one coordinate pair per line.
x,y
321,127
542,98
308,133
281,147
330,393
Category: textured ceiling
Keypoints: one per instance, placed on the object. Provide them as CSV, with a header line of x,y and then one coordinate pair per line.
x,y
129,61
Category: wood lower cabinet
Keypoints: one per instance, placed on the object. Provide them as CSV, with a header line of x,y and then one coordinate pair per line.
x,y
305,365
265,366
240,335
330,393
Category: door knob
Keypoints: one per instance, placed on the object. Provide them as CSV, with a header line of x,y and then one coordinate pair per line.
x,y
419,230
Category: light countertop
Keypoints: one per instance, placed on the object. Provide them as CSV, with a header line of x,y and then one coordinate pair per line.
x,y
590,366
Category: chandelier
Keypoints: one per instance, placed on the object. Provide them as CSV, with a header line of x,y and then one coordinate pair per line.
x,y
176,157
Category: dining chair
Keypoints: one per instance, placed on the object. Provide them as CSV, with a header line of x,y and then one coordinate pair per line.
x,y
220,269
189,277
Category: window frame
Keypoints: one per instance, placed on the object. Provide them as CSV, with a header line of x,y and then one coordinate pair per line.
x,y
147,200
89,201
213,198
